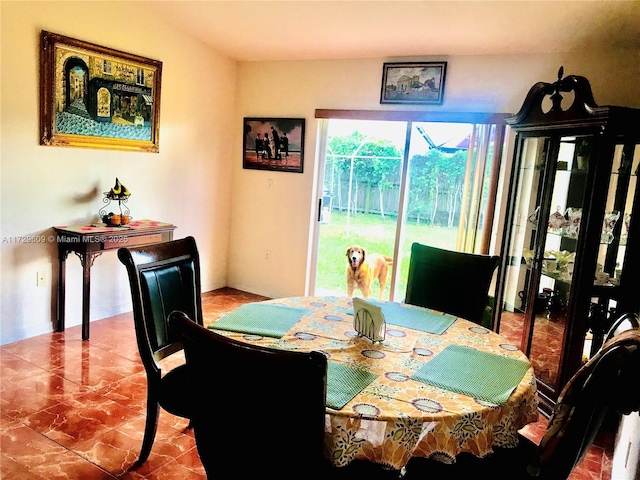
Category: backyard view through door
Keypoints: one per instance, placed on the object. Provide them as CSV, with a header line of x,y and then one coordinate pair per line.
x,y
388,184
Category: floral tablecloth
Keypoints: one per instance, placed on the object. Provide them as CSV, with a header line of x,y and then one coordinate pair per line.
x,y
396,417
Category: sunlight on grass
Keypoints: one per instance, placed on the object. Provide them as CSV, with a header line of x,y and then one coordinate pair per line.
x,y
376,235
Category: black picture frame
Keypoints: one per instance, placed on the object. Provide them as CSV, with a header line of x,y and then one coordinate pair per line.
x,y
281,155
413,83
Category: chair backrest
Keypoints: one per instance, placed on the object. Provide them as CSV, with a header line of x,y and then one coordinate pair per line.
x,y
607,382
453,282
163,277
256,409
622,323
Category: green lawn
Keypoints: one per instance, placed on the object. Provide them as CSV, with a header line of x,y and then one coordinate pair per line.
x,y
376,235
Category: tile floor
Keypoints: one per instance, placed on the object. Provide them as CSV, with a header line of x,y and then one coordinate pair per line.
x,y
75,410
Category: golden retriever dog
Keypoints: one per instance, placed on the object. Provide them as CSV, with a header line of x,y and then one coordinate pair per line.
x,y
363,269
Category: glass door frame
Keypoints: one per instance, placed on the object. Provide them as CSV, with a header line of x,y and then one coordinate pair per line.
x,y
488,119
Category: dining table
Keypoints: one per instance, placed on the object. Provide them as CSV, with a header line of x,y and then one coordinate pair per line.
x,y
435,386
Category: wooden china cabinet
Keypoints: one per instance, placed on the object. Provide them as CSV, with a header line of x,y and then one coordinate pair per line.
x,y
571,247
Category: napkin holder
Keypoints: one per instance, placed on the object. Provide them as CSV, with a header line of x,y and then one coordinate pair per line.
x,y
368,320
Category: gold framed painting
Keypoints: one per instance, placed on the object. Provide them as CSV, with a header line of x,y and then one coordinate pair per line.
x,y
97,97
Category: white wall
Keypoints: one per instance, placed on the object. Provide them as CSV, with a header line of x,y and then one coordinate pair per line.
x,y
197,180
281,220
187,183
626,455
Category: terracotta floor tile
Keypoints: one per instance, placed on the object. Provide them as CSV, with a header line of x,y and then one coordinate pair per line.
x,y
40,391
131,391
117,450
96,368
72,422
186,467
175,422
607,465
38,355
27,454
13,368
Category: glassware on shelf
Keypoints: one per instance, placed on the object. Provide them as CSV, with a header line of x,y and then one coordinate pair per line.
x,y
556,307
533,218
557,222
583,162
559,264
601,277
574,216
618,273
610,219
549,266
625,225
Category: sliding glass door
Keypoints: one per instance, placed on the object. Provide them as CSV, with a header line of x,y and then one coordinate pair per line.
x,y
360,197
385,184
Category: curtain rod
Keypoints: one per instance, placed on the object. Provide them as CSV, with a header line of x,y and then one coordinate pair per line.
x,y
414,116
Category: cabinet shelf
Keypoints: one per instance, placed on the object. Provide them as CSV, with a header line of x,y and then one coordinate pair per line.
x,y
622,242
573,171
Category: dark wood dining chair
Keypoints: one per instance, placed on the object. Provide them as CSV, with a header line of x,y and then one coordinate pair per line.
x,y
257,412
163,277
623,322
452,282
606,383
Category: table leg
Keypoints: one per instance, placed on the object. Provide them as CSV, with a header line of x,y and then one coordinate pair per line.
x,y
60,308
86,260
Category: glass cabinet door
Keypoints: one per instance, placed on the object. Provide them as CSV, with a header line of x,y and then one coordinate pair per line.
x,y
557,246
521,242
613,246
550,193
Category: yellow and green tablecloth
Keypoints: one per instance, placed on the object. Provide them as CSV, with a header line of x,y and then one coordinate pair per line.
x,y
385,403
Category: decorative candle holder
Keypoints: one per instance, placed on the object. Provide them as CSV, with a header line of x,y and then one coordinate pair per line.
x,y
119,193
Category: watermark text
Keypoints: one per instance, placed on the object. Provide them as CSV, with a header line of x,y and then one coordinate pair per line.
x,y
65,239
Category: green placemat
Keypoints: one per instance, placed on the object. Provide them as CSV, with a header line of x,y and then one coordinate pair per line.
x,y
266,319
465,370
344,383
416,319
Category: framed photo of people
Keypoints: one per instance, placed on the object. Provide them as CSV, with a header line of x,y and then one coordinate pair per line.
x,y
96,97
273,144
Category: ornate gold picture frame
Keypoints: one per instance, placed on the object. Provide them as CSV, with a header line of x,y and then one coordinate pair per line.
x,y
96,97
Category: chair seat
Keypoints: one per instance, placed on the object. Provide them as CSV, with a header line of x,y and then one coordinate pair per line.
x,y
173,386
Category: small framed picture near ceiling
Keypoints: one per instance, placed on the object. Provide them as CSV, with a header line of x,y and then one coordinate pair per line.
x,y
413,83
96,97
273,144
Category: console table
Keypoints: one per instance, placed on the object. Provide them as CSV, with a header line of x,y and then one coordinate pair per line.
x,y
88,242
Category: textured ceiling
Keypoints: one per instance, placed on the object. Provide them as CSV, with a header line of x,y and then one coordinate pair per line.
x,y
315,29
